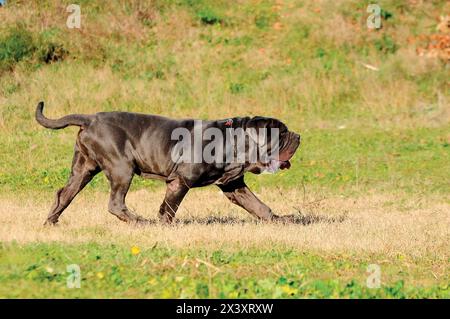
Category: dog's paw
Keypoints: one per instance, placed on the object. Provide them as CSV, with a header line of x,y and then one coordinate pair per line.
x,y
50,223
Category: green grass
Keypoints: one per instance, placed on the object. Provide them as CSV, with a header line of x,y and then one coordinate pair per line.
x,y
39,270
394,121
411,161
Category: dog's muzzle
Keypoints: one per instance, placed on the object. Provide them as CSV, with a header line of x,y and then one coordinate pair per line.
x,y
283,161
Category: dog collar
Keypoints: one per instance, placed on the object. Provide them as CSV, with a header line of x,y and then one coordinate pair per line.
x,y
229,122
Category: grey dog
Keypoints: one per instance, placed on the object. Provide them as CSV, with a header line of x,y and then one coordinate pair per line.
x,y
122,144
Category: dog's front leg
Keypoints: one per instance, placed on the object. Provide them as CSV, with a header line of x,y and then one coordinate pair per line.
x,y
175,192
238,193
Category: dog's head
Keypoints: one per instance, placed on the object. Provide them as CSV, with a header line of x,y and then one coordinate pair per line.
x,y
279,143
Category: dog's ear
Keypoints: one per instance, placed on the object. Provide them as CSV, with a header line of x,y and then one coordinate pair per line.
x,y
258,122
252,133
266,122
253,127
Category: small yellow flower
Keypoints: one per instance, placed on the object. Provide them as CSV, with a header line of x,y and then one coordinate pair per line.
x,y
135,250
100,275
289,290
49,269
233,295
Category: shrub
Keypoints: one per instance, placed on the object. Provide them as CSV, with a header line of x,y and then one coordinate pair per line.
x,y
386,44
385,15
208,16
52,52
262,21
236,88
17,45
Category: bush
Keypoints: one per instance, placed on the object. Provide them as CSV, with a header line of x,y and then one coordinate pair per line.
x,y
262,21
52,52
17,45
385,15
386,44
236,88
208,16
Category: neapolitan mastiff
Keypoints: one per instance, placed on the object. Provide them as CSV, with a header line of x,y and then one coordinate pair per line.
x,y
122,144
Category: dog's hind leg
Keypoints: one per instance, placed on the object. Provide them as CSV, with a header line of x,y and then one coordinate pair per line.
x,y
120,180
83,170
176,190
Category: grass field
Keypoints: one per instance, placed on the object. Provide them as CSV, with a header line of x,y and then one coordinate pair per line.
x,y
370,183
215,250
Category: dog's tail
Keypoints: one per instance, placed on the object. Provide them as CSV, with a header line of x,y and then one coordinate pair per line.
x,y
73,119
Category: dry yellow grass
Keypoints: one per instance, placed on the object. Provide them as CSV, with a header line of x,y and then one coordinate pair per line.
x,y
372,224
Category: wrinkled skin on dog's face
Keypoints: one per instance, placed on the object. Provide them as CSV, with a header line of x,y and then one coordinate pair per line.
x,y
280,147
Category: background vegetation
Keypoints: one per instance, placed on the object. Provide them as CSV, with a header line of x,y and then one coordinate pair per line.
x,y
372,105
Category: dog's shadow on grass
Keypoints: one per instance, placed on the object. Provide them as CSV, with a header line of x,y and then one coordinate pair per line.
x,y
296,219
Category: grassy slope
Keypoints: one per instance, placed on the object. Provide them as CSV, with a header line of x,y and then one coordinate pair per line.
x,y
363,130
297,61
